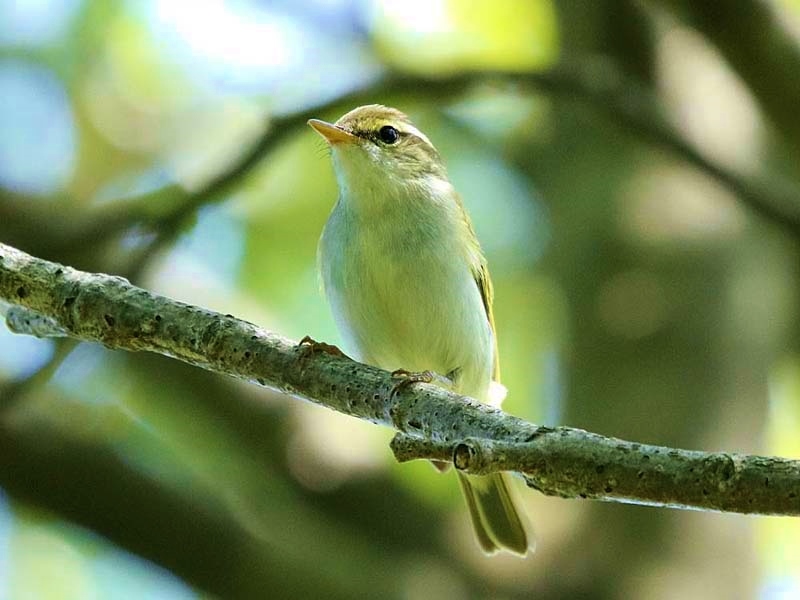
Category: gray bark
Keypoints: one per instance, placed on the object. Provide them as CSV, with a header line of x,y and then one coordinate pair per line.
x,y
432,423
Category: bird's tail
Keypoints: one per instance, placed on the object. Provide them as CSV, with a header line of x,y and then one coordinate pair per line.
x,y
498,522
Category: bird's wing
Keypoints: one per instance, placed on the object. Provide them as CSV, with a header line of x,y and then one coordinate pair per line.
x,y
480,272
484,283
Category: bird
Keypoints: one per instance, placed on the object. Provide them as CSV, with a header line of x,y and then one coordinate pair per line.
x,y
408,284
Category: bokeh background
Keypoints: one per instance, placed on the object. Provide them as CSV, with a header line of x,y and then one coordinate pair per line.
x,y
632,171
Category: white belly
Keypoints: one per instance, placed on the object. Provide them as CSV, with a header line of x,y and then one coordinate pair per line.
x,y
406,302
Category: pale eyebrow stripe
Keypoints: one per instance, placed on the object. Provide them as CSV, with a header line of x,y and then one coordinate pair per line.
x,y
413,130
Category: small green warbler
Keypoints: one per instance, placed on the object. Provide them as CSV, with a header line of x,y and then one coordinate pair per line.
x,y
408,284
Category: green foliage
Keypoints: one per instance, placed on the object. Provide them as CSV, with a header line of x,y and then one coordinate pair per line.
x,y
645,276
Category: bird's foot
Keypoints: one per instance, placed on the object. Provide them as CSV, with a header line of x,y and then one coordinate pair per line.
x,y
404,378
308,346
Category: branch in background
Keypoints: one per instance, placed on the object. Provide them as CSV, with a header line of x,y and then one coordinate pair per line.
x,y
435,423
760,49
638,109
598,84
58,472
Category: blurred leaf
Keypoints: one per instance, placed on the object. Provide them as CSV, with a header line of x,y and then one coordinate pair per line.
x,y
782,438
37,550
287,205
530,313
777,537
444,36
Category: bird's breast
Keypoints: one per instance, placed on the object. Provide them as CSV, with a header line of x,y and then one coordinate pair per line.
x,y
403,295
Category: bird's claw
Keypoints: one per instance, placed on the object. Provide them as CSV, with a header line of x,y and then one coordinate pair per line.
x,y
309,346
405,378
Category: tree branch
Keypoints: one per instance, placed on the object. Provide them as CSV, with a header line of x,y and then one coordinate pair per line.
x,y
433,423
572,463
595,83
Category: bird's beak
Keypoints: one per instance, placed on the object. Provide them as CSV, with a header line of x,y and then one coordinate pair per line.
x,y
332,134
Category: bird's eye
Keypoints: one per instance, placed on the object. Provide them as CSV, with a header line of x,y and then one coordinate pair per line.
x,y
388,134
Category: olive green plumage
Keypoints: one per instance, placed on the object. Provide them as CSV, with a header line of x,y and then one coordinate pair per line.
x,y
408,284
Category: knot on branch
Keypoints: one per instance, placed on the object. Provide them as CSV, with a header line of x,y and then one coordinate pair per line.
x,y
464,455
471,455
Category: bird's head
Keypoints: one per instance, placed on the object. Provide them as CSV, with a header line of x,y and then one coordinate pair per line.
x,y
376,147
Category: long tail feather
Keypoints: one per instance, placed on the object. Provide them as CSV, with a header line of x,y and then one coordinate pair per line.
x,y
495,517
